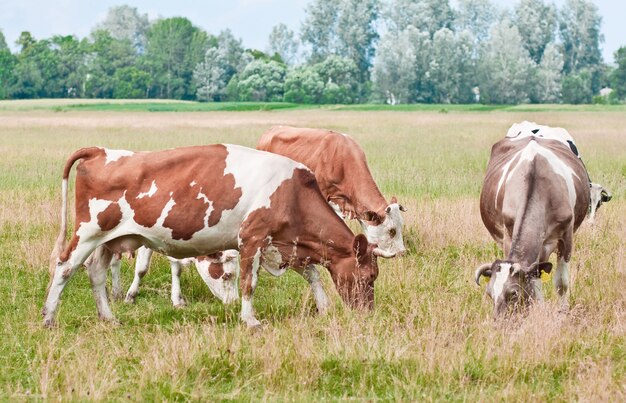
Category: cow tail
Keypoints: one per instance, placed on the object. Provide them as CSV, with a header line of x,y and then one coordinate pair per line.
x,y
60,243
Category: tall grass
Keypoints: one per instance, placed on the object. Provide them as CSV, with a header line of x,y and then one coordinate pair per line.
x,y
431,336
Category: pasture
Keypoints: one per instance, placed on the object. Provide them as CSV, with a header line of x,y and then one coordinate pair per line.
x,y
431,336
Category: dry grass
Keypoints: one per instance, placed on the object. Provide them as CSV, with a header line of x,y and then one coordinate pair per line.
x,y
431,336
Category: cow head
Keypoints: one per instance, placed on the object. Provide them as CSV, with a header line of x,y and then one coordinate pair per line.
x,y
220,271
385,230
354,276
511,285
599,195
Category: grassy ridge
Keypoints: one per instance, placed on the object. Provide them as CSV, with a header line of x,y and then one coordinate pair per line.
x,y
430,337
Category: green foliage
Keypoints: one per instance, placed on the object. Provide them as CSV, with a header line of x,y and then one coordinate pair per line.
x,y
428,54
174,49
576,88
579,26
130,82
618,77
303,85
261,81
7,65
109,56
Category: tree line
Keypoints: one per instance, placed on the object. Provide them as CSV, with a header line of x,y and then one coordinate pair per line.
x,y
346,51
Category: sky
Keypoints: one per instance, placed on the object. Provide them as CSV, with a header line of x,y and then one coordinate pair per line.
x,y
250,20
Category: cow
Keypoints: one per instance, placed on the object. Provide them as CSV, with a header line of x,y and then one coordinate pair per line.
x,y
199,200
344,178
599,195
219,271
535,195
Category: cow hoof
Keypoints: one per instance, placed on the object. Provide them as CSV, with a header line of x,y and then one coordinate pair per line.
x,y
130,299
180,304
48,323
253,324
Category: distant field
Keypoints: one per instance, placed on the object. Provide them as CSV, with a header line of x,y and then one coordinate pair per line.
x,y
142,105
431,336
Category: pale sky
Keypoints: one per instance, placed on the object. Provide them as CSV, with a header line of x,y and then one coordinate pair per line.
x,y
250,20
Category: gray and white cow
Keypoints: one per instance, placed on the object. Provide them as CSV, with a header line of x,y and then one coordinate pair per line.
x,y
599,195
534,197
195,201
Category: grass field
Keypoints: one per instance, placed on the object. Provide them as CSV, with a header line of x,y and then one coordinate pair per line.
x,y
431,336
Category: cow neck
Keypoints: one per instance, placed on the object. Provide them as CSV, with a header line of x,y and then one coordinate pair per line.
x,y
362,190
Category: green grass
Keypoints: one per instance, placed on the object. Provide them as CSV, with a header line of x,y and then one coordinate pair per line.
x,y
431,336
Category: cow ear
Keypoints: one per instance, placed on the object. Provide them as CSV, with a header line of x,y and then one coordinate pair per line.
x,y
536,269
605,196
360,246
371,216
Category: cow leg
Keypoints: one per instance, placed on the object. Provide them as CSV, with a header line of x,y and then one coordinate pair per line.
x,y
141,268
250,263
560,277
62,273
561,282
177,297
116,285
97,271
313,277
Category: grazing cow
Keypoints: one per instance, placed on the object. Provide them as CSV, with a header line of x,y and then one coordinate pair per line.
x,y
599,195
219,271
344,178
535,196
200,200
532,129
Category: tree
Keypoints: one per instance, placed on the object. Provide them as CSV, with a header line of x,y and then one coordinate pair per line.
x,y
504,67
3,42
304,85
108,55
262,81
548,78
340,77
283,42
125,22
536,23
174,49
343,28
425,15
220,64
576,87
618,77
69,55
450,70
395,68
319,28
477,17
579,27
357,34
130,82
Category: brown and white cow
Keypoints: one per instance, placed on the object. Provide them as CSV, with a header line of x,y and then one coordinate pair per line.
x,y
344,178
219,272
535,196
200,200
